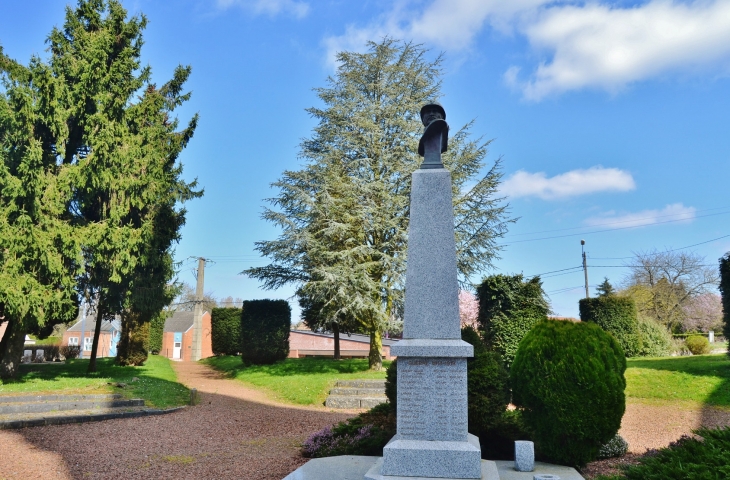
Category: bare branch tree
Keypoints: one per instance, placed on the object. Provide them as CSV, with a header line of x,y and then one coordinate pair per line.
x,y
664,282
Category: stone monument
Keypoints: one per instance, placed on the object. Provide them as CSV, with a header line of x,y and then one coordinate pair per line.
x,y
432,440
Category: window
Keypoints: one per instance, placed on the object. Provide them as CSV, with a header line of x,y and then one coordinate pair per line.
x,y
87,343
178,344
73,341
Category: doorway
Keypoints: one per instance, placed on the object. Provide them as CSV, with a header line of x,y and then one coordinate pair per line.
x,y
176,350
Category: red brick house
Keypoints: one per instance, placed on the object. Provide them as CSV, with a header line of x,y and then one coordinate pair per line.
x,y
81,334
177,337
305,343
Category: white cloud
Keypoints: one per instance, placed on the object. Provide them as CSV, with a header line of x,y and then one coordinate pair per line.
x,y
269,7
568,184
670,213
449,24
596,44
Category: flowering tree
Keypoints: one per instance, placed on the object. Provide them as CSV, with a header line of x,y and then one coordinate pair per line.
x,y
703,313
468,309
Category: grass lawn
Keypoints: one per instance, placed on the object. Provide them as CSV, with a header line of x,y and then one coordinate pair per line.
x,y
157,383
700,379
303,381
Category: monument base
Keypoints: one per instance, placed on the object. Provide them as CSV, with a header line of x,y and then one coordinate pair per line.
x,y
489,471
432,459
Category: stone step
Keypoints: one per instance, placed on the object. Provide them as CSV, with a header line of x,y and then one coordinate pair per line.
x,y
44,406
25,420
60,397
353,391
361,383
340,401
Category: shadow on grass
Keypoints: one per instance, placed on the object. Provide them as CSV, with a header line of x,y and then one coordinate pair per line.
x,y
153,382
231,366
700,367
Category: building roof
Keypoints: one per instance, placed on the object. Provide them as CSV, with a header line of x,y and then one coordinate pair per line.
x,y
355,337
180,321
106,326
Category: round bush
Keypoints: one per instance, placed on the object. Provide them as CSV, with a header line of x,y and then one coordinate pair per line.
x,y
698,344
569,379
656,341
616,447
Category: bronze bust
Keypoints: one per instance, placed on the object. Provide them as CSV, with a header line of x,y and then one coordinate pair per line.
x,y
435,137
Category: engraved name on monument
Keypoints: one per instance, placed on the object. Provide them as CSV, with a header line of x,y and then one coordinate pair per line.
x,y
433,402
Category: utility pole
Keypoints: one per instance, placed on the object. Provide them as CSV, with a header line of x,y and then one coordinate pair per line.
x,y
198,312
585,266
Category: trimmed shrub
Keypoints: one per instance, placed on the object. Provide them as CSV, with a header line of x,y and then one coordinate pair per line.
x,y
704,458
365,434
616,447
616,315
509,307
656,341
226,331
487,385
133,344
51,353
697,344
157,327
725,292
391,385
69,352
265,326
569,380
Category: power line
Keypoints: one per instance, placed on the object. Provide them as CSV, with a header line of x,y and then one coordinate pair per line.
x,y
618,223
613,229
665,251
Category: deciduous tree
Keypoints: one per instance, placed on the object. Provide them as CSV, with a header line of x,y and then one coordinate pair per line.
x,y
663,282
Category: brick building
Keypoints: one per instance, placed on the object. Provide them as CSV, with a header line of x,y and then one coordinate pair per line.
x,y
305,343
81,334
177,337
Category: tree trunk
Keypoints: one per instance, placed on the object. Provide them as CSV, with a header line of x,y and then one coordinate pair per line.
x,y
375,359
12,343
336,331
100,312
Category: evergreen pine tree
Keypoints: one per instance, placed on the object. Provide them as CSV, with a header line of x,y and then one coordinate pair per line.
x,y
605,289
344,215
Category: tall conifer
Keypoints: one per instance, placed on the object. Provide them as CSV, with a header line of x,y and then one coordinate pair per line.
x,y
344,215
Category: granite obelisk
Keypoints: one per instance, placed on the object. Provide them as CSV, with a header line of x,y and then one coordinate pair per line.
x,y
432,440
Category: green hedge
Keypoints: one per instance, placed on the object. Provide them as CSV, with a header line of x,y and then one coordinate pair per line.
x,y
265,326
157,326
226,331
509,306
656,341
616,315
725,291
569,380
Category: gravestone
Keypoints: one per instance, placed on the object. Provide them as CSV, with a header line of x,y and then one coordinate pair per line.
x,y
27,355
432,440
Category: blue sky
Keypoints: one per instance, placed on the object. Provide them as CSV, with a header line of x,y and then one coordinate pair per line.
x,y
611,116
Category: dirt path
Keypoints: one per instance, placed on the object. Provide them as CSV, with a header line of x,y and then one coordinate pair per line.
x,y
234,433
650,426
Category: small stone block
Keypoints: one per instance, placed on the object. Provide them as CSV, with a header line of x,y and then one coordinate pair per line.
x,y
524,456
545,476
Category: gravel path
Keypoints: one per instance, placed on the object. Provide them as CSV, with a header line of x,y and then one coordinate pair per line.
x,y
235,433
